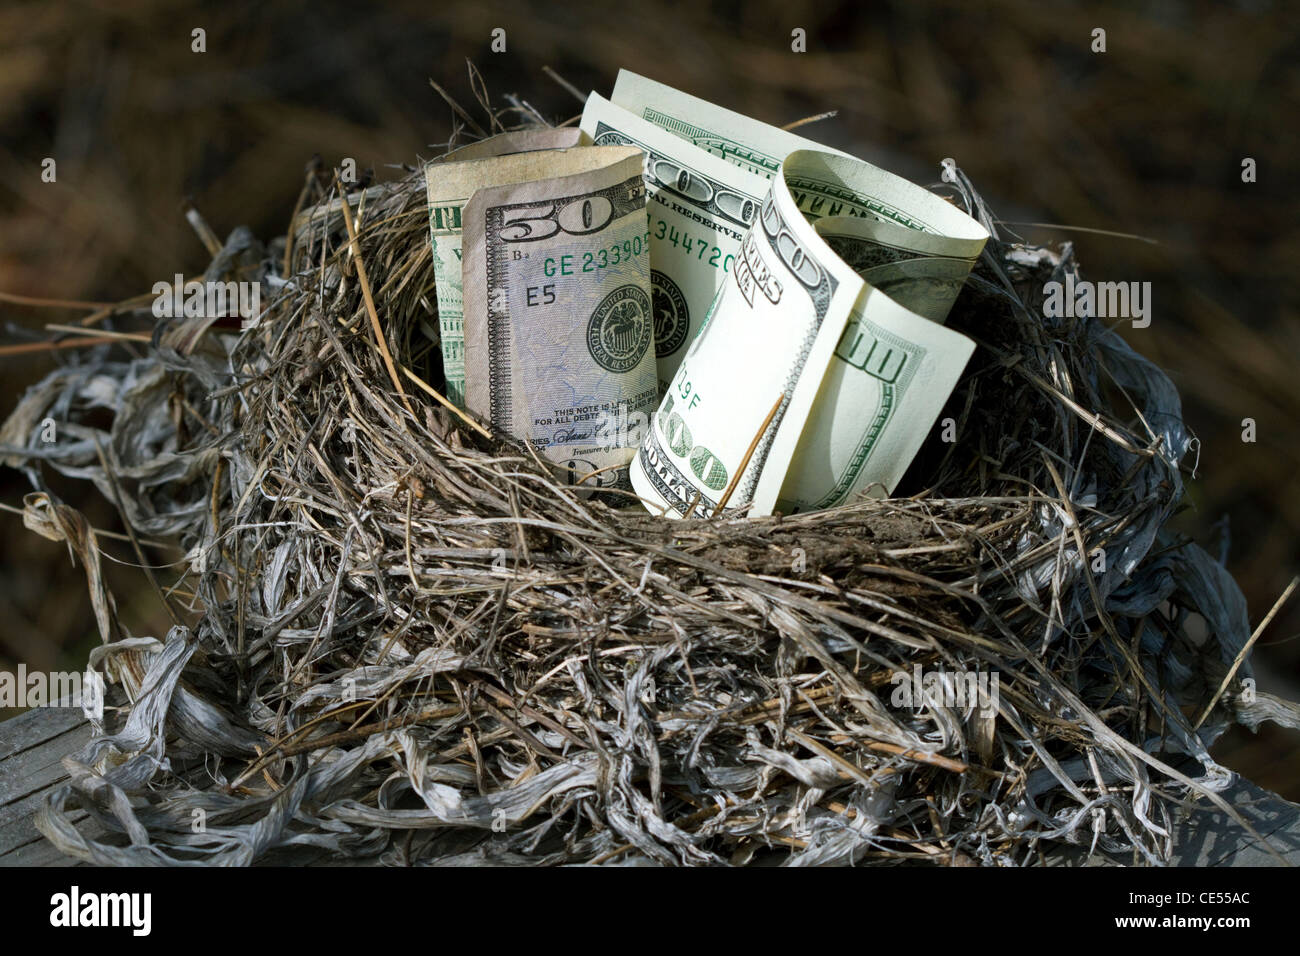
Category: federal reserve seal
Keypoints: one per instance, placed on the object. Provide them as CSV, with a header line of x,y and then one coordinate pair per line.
x,y
672,318
620,328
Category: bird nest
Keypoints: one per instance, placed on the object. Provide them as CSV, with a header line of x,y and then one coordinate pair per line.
x,y
396,636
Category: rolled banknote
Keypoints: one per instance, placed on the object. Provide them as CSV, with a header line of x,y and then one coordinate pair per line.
x,y
807,384
707,171
449,186
559,336
910,267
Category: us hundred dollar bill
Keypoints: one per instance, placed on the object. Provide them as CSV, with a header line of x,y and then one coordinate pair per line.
x,y
740,140
707,172
910,267
698,208
559,336
450,181
808,384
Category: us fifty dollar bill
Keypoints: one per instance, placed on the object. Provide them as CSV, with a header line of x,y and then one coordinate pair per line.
x,y
450,181
559,336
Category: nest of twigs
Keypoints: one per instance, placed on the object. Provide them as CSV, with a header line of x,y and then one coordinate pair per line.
x,y
397,636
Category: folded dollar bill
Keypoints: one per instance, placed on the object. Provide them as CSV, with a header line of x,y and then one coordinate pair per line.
x,y
814,362
449,185
558,331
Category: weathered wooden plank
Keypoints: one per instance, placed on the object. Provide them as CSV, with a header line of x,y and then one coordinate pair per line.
x,y
33,746
39,852
36,726
39,766
32,849
1211,839
18,829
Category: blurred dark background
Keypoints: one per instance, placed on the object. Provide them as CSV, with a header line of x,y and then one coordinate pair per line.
x,y
1147,138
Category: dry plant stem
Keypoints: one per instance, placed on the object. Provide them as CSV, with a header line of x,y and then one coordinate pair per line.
x,y
749,453
101,533
105,334
815,118
308,182
375,325
53,303
1099,232
133,304
135,542
25,348
201,229
460,112
438,397
1241,655
577,94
